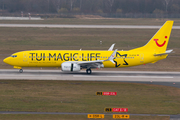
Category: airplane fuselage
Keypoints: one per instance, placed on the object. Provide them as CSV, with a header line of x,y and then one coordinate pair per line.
x,y
54,58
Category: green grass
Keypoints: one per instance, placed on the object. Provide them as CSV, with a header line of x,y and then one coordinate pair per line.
x,y
70,96
57,38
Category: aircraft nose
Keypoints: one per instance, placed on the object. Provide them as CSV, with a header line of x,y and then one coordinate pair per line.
x,y
7,60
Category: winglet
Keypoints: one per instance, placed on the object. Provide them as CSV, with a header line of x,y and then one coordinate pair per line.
x,y
112,57
111,48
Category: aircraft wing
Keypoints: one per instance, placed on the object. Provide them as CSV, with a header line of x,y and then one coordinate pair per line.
x,y
96,63
91,64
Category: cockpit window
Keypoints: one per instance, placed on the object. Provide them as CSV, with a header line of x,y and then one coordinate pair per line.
x,y
13,56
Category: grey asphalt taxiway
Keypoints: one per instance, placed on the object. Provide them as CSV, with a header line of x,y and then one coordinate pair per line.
x,y
172,117
85,26
160,78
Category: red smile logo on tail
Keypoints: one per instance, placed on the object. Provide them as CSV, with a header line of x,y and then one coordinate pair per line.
x,y
160,45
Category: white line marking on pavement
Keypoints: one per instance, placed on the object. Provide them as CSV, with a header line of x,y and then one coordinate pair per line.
x,y
123,76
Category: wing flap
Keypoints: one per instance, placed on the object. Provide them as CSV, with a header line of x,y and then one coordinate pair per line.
x,y
89,62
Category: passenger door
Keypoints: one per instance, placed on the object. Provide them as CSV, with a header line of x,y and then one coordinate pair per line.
x,y
25,57
141,57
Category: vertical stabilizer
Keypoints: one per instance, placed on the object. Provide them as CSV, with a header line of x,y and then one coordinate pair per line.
x,y
158,43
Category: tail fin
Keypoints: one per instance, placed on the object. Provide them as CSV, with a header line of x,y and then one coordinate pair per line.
x,y
158,43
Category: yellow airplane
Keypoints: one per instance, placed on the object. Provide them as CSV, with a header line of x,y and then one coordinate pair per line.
x,y
75,60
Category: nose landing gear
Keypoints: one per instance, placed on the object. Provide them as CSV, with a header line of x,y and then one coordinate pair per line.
x,y
21,70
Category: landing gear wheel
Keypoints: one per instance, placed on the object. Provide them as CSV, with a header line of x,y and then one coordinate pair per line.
x,y
21,70
88,71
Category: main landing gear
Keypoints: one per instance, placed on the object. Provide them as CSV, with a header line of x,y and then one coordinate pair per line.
x,y
21,70
88,71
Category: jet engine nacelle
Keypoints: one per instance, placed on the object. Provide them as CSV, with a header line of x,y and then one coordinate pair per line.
x,y
68,66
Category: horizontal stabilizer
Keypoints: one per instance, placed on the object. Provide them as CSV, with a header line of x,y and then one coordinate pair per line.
x,y
167,52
